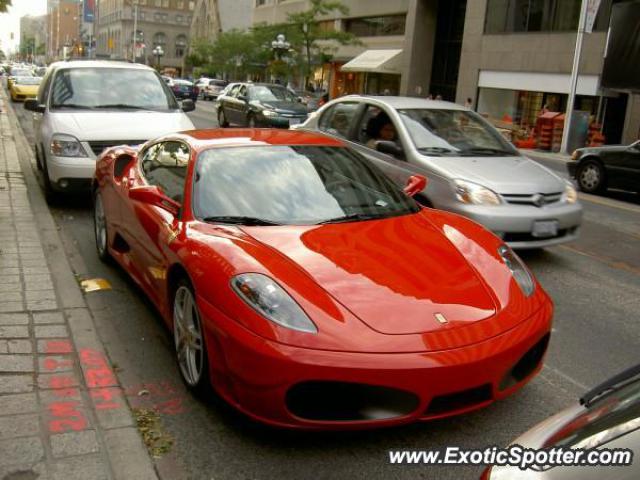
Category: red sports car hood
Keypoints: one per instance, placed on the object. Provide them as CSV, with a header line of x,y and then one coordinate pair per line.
x,y
398,275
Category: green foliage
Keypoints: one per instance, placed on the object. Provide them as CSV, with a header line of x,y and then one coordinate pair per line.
x,y
242,54
4,5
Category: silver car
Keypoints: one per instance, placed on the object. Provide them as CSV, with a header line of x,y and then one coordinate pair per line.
x,y
472,170
607,416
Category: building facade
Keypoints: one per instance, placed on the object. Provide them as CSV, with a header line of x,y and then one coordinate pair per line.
x,y
33,35
408,47
517,57
214,16
63,28
160,23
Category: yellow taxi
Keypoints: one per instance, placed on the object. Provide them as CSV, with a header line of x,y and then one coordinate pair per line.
x,y
23,88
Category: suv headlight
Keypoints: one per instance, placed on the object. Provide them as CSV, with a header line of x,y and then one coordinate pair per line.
x,y
270,300
66,146
570,195
474,194
519,270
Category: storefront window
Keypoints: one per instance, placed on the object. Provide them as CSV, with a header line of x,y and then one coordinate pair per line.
x,y
376,26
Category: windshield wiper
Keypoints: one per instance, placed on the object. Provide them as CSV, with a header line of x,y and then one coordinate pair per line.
x,y
239,220
122,105
72,105
435,150
487,150
352,217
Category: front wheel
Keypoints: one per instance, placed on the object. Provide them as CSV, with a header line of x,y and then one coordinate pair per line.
x,y
591,177
100,228
50,195
251,121
189,339
222,119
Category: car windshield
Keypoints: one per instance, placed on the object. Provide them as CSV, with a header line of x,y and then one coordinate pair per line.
x,y
296,185
442,132
119,88
20,72
606,418
269,93
27,81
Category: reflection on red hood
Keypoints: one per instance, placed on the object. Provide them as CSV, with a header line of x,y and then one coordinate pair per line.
x,y
394,274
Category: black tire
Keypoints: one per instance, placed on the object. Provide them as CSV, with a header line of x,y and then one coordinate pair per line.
x,y
222,118
38,160
50,195
102,236
199,381
591,176
251,121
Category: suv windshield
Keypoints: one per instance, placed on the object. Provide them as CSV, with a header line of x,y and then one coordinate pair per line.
x,y
120,88
454,133
267,93
297,185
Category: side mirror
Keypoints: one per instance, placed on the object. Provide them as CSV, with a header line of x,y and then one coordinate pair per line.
x,y
152,195
390,148
188,105
32,105
415,185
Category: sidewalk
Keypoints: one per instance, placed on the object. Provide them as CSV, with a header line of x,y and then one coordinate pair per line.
x,y
63,414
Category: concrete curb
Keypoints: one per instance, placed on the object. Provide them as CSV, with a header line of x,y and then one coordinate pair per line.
x,y
115,427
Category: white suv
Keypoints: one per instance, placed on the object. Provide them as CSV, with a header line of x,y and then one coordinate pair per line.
x,y
84,107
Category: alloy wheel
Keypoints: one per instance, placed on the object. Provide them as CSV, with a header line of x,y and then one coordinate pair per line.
x,y
187,332
100,225
590,177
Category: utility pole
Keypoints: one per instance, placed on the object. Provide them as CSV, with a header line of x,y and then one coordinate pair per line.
x,y
574,78
135,30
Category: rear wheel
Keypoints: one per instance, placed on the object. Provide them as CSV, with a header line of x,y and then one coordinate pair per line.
x,y
222,119
251,121
591,177
188,337
100,227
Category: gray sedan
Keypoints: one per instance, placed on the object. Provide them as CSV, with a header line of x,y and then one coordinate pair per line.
x,y
472,170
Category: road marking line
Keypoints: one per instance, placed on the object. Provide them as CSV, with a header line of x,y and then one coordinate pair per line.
x,y
575,382
607,202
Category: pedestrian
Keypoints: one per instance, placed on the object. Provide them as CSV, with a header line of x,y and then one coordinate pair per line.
x,y
438,97
469,103
430,97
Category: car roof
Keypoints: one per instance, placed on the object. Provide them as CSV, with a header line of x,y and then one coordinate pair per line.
x,y
405,102
233,137
99,64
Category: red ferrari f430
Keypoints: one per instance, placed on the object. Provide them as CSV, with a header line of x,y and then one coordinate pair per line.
x,y
308,289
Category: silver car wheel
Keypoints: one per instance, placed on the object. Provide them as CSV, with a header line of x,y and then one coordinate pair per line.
x,y
100,225
590,177
187,333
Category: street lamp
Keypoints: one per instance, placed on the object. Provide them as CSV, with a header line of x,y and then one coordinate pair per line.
x,y
280,46
158,52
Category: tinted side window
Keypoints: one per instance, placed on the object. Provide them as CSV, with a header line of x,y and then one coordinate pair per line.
x,y
165,165
43,92
337,121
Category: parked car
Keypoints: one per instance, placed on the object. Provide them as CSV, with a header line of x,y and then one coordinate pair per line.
x,y
183,89
201,83
608,416
18,72
213,88
611,166
260,105
84,107
23,88
309,289
472,169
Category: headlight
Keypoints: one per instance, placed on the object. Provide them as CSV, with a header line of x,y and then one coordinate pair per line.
x,y
269,113
518,269
271,301
66,146
570,195
472,193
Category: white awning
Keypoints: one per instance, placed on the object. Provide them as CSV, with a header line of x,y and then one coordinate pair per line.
x,y
377,61
538,82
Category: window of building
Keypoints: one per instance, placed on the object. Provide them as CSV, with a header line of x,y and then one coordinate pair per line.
x,y
507,16
192,5
260,2
327,26
165,3
181,45
180,4
158,3
179,18
159,39
376,26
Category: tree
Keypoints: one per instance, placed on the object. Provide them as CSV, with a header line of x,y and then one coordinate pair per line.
x,y
4,5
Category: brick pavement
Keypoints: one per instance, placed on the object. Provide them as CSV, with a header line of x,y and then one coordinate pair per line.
x,y
63,414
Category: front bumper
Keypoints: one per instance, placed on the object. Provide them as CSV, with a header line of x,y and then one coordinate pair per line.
x,y
262,378
514,223
68,174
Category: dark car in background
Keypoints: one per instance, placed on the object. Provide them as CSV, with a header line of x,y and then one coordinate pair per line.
x,y
183,89
213,89
260,105
611,166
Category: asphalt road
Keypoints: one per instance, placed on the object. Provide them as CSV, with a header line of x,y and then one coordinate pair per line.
x,y
595,283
